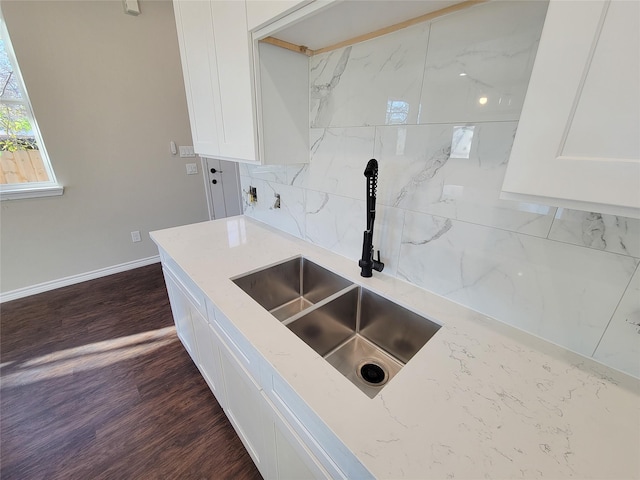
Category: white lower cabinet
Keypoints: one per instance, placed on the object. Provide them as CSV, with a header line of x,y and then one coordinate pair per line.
x,y
283,437
290,465
244,408
290,459
182,311
209,357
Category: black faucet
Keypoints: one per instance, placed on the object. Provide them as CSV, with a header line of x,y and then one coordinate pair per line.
x,y
367,263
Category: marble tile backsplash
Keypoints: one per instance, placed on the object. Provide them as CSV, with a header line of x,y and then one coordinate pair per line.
x,y
486,53
442,141
363,83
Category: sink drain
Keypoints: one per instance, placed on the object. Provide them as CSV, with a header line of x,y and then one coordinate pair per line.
x,y
373,374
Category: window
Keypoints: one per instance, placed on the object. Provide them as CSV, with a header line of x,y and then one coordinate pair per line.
x,y
397,112
25,170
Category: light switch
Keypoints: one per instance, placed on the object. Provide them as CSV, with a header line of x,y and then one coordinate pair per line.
x,y
187,152
192,168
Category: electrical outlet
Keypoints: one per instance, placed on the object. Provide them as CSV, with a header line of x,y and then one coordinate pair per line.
x,y
253,194
192,169
135,236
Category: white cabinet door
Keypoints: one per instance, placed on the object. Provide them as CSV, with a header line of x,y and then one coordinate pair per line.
x,y
182,310
233,54
289,463
209,356
196,40
288,456
217,55
577,143
216,64
244,408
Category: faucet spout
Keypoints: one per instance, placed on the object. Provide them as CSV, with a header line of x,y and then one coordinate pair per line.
x,y
367,263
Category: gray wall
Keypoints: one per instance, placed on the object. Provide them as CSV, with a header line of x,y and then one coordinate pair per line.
x,y
108,95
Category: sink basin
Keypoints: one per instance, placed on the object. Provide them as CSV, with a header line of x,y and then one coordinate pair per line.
x,y
360,329
366,337
290,287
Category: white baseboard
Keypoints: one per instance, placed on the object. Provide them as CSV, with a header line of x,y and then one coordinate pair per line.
x,y
73,279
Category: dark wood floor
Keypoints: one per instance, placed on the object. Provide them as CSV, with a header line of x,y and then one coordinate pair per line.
x,y
95,384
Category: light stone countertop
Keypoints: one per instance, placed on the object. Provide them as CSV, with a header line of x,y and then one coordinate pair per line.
x,y
480,400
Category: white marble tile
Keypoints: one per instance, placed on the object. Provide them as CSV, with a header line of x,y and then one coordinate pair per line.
x,y
335,223
338,223
418,172
387,236
371,83
620,345
479,62
409,158
338,159
560,292
288,218
269,173
595,230
297,174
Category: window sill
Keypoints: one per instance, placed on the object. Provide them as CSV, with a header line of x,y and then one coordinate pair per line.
x,y
15,192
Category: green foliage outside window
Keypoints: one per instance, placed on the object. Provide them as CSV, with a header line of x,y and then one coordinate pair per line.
x,y
13,126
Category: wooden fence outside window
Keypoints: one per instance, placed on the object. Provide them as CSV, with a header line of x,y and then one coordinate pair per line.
x,y
22,166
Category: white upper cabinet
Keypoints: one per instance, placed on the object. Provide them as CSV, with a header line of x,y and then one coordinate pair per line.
x,y
234,60
229,109
249,100
262,12
578,140
216,63
196,40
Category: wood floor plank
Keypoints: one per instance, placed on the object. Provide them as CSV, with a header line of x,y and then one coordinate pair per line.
x,y
95,384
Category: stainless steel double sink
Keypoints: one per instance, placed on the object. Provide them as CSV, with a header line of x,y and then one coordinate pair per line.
x,y
366,337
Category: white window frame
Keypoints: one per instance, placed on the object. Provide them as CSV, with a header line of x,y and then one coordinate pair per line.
x,y
13,191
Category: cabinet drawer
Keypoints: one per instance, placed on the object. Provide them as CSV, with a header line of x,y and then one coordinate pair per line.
x,y
188,286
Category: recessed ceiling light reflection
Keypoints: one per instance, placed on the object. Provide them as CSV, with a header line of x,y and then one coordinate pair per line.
x,y
463,74
483,100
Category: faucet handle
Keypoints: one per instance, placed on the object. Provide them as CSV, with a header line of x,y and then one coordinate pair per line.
x,y
378,266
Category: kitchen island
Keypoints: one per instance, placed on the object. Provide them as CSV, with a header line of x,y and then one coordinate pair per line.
x,y
480,400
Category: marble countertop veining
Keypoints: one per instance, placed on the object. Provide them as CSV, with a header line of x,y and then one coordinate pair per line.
x,y
480,400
